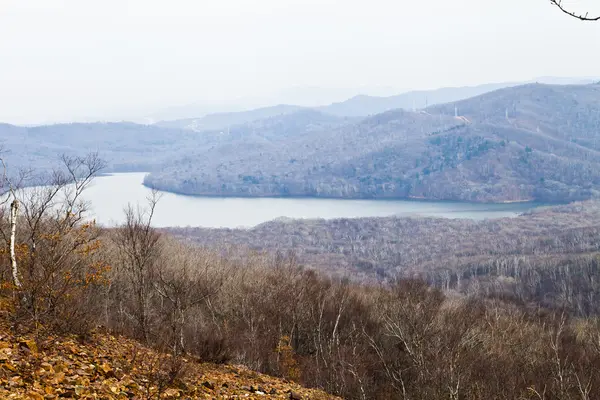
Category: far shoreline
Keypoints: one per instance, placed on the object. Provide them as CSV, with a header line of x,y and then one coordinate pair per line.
x,y
412,199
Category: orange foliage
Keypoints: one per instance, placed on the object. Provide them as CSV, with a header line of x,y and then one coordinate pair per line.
x,y
287,361
63,266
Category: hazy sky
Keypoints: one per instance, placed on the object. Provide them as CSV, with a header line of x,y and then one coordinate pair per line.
x,y
72,59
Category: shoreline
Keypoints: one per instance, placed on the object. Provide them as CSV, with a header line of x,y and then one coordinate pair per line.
x,y
414,199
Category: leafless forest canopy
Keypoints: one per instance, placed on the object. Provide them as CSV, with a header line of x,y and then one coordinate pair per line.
x,y
515,256
522,322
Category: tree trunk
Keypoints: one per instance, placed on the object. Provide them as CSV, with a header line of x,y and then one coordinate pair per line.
x,y
14,208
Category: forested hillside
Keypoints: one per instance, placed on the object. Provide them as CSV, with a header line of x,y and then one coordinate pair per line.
x,y
130,147
520,255
531,142
124,146
75,295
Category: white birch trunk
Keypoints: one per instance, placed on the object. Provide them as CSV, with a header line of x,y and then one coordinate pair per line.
x,y
14,208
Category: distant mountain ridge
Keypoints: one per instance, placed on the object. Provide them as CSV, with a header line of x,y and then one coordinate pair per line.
x,y
223,120
360,105
124,145
363,105
523,143
357,106
127,146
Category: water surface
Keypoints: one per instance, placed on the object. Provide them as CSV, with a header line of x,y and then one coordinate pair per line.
x,y
110,194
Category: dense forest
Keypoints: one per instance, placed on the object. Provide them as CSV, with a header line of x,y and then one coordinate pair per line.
x,y
517,256
62,275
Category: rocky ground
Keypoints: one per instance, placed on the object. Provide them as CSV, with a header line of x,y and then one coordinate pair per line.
x,y
108,367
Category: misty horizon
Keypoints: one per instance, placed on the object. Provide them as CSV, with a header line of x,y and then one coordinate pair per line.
x,y
305,96
123,60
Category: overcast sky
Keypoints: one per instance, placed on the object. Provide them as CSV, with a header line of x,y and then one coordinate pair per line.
x,y
74,59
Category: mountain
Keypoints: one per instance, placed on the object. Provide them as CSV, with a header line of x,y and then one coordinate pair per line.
x,y
187,111
523,143
124,146
363,105
357,106
220,121
313,96
561,80
367,105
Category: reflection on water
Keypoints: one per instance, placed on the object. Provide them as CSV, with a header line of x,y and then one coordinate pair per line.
x,y
110,194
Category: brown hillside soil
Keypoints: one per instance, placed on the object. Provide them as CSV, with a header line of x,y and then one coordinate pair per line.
x,y
108,367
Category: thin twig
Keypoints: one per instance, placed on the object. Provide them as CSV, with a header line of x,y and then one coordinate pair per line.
x,y
586,17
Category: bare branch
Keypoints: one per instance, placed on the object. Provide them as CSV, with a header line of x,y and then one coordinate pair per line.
x,y
80,171
582,17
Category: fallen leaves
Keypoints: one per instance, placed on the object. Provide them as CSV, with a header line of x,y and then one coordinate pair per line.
x,y
107,367
28,344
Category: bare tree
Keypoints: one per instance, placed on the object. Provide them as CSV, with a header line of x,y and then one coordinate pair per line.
x,y
52,249
55,236
14,210
139,248
583,17
10,187
184,279
57,197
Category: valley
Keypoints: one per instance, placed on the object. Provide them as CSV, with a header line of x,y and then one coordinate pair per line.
x,y
299,200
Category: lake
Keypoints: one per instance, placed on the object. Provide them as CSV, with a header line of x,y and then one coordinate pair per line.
x,y
110,194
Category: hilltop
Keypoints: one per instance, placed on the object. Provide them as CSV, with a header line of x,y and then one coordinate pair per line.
x,y
128,147
363,105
